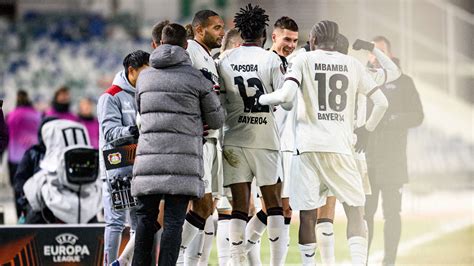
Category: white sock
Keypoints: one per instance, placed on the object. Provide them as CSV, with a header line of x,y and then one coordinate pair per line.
x,y
254,231
208,239
223,244
193,252
127,253
278,239
358,250
253,254
189,233
307,252
286,233
237,241
325,239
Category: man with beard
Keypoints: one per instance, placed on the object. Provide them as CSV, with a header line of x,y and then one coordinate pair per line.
x,y
198,229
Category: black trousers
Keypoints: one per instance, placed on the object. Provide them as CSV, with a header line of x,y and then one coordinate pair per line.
x,y
147,214
391,206
12,167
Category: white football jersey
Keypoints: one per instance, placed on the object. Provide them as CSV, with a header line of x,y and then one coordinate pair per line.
x,y
286,119
243,71
202,60
328,82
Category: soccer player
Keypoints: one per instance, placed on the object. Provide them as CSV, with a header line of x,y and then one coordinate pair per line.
x,y
251,143
231,40
208,29
326,82
285,40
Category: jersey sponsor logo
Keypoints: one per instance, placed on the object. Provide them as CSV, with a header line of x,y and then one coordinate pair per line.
x,y
252,120
331,67
237,243
244,68
331,117
310,255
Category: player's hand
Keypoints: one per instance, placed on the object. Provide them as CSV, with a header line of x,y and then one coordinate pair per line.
x,y
364,45
362,139
134,131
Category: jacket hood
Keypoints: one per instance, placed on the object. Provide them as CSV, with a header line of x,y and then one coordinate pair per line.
x,y
169,55
122,81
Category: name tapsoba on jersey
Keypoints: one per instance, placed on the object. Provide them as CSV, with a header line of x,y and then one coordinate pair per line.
x,y
243,71
202,60
328,82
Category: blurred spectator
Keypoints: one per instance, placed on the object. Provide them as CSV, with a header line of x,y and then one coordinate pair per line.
x,y
23,123
29,165
3,131
87,118
386,154
61,105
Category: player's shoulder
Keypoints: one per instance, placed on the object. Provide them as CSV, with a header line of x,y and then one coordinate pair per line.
x,y
113,90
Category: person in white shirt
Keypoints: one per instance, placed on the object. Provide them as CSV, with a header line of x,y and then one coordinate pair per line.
x,y
251,142
198,229
325,83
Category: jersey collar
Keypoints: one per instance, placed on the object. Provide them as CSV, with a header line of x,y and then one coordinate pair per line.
x,y
203,47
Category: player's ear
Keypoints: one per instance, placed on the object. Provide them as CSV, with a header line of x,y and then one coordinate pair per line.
x,y
273,37
199,29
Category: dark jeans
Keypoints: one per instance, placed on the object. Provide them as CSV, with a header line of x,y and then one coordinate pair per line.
x,y
12,167
391,206
147,214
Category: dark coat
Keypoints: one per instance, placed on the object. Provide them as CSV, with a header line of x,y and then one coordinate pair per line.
x,y
173,99
3,133
386,152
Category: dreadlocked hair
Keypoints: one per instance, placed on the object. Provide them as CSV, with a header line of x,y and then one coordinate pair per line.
x,y
251,22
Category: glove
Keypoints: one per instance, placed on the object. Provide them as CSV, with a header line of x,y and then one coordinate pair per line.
x,y
207,75
217,89
360,44
134,131
205,131
362,139
257,95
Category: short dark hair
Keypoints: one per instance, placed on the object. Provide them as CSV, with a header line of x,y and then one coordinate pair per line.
x,y
62,89
22,98
135,60
201,17
174,34
286,23
189,31
157,30
251,22
381,38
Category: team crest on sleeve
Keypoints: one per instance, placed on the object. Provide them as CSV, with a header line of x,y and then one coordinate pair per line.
x,y
282,68
115,158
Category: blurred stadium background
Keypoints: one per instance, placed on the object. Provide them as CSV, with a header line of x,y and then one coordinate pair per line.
x,y
81,43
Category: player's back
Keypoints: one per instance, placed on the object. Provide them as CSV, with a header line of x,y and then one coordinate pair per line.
x,y
243,71
326,99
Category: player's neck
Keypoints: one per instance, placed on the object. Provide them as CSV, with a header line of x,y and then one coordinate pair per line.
x,y
203,45
252,43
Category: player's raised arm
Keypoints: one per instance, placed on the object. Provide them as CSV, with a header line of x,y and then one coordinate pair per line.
x,y
368,87
388,72
287,93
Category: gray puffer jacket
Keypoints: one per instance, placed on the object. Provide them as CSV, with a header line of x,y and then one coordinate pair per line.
x,y
173,99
